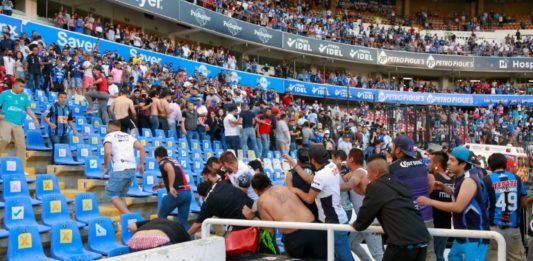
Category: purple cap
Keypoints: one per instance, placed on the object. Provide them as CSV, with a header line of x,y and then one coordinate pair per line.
x,y
406,145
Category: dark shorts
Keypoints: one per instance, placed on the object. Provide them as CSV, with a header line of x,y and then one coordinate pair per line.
x,y
306,244
127,124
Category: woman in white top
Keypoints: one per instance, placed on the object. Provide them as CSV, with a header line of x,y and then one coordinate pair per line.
x,y
88,78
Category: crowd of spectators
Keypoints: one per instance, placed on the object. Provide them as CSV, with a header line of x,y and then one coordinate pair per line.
x,y
345,25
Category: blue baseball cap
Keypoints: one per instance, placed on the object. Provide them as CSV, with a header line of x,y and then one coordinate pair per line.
x,y
406,145
462,153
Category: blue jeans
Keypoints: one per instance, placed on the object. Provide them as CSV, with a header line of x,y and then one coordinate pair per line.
x,y
34,81
265,143
342,246
439,246
472,251
119,183
259,146
182,202
248,136
233,143
154,124
190,136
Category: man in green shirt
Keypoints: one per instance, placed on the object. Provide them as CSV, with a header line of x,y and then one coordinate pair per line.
x,y
13,103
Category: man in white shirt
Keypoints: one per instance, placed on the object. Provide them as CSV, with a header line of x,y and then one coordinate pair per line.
x,y
325,192
118,147
232,129
236,169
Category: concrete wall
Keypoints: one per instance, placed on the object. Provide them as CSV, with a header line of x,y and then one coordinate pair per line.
x,y
210,249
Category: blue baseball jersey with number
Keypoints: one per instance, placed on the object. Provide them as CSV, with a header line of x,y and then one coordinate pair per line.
x,y
505,190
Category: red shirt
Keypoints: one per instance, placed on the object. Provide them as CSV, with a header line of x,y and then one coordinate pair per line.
x,y
287,100
264,128
102,86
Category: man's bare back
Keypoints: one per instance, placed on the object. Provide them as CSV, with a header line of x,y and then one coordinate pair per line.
x,y
278,203
155,107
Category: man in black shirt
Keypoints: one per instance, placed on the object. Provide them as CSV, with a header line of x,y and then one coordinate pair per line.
x,y
248,131
34,69
388,199
178,189
49,62
7,43
222,200
441,219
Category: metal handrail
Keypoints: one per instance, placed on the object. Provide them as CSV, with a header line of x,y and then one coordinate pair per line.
x,y
330,228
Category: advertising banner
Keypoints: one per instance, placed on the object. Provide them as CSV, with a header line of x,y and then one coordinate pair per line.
x,y
329,49
207,19
421,98
165,8
425,60
14,25
506,64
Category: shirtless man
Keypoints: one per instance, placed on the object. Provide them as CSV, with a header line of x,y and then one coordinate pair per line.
x,y
278,203
154,111
164,109
121,107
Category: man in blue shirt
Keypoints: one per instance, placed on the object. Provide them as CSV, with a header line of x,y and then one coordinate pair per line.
x,y
468,211
507,194
14,103
59,118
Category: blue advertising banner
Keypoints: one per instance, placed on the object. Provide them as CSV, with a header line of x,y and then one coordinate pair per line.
x,y
89,44
14,25
485,100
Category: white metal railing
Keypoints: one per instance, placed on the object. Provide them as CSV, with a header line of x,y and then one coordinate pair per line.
x,y
330,228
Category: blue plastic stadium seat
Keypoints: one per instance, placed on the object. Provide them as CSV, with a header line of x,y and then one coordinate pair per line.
x,y
196,155
125,220
66,243
102,237
195,208
185,164
15,185
35,141
195,145
83,151
74,141
170,143
25,244
94,140
96,122
158,141
18,212
94,168
46,184
149,180
86,207
11,165
146,132
63,155
217,145
208,153
136,191
160,194
52,96
277,154
146,141
77,111
198,165
218,152
183,153
80,121
206,145
55,210
183,144
160,134
87,130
